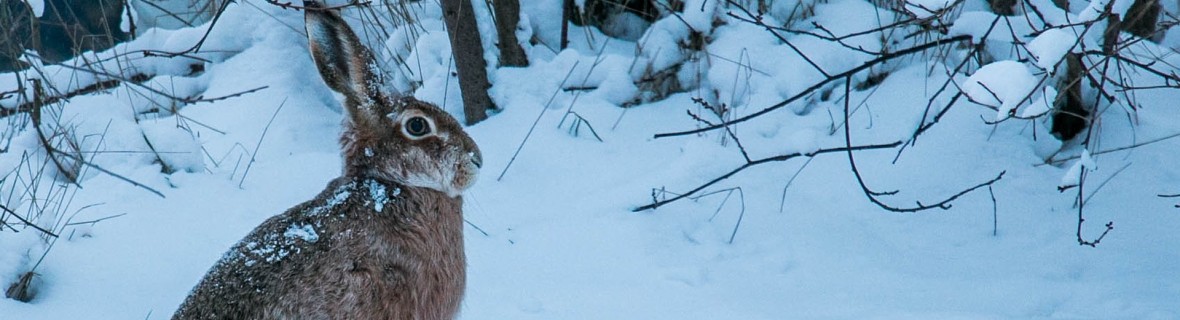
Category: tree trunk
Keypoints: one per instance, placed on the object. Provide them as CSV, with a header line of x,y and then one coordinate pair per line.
x,y
1142,17
65,28
1002,7
18,31
70,27
507,16
459,17
567,13
1070,114
1063,4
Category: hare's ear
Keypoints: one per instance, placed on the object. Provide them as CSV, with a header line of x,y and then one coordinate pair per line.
x,y
344,63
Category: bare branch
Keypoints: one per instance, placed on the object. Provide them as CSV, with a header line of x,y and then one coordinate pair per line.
x,y
1063,160
1081,217
754,163
878,60
25,222
872,195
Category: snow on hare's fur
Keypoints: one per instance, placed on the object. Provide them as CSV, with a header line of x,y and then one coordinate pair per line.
x,y
385,240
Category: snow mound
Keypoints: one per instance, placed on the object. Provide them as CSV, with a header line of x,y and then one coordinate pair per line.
x,y
1001,84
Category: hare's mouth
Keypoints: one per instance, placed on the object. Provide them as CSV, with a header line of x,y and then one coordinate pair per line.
x,y
465,176
476,159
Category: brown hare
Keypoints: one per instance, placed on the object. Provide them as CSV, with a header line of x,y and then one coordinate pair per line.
x,y
385,240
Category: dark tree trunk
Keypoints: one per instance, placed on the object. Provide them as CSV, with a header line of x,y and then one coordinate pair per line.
x,y
71,27
1142,17
507,16
1070,114
469,62
1002,7
18,31
1063,4
1110,36
567,13
610,16
65,29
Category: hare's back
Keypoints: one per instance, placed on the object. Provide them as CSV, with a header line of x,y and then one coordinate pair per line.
x,y
315,260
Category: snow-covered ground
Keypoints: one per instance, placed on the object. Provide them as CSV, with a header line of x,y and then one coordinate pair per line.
x,y
555,237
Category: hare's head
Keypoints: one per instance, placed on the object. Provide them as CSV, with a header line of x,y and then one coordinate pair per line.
x,y
400,139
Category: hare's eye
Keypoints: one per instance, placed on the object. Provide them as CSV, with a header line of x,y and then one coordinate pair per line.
x,y
417,126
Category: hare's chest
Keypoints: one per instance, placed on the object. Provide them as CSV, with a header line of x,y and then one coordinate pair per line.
x,y
417,274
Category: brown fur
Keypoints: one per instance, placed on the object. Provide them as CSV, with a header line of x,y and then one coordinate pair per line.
x,y
404,262
385,240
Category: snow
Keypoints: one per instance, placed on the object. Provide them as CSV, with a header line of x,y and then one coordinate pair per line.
x,y
974,23
556,237
1041,103
1004,29
174,146
661,44
617,87
1093,10
338,196
626,26
1001,84
38,7
700,14
128,17
303,232
922,9
378,194
1050,47
1074,174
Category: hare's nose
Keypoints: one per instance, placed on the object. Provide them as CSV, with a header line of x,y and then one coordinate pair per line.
x,y
477,159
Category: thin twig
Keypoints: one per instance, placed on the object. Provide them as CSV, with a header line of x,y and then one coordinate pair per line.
x,y
114,80
576,125
728,193
1081,216
197,46
754,163
477,228
783,200
259,143
728,131
538,120
94,221
1062,160
26,222
70,174
872,195
108,172
757,20
169,13
995,219
741,215
1103,184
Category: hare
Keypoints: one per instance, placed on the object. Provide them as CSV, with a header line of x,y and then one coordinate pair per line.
x,y
385,240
